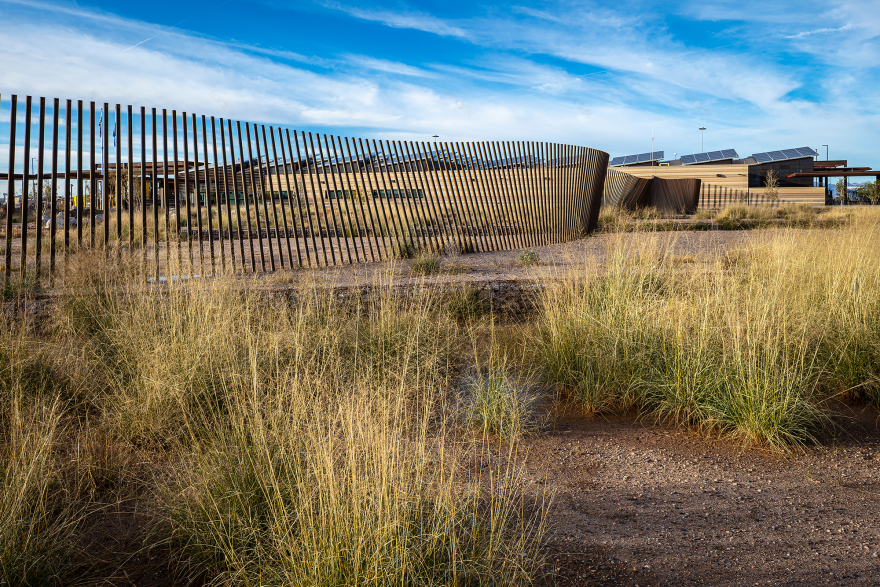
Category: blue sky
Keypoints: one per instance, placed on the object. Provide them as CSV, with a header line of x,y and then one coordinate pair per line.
x,y
759,75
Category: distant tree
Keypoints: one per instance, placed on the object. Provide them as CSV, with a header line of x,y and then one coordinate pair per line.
x,y
840,190
771,185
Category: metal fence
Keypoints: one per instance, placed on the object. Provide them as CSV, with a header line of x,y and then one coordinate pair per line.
x,y
199,195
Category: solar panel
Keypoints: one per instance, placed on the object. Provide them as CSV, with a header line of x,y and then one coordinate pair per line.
x,y
807,152
784,155
708,157
640,158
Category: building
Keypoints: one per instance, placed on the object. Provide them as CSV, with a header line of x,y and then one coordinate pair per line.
x,y
726,178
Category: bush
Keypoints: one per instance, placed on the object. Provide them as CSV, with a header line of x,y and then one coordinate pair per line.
x,y
426,264
527,257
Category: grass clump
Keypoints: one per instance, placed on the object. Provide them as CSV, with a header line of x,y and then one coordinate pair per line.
x,y
495,400
752,348
527,257
426,264
38,514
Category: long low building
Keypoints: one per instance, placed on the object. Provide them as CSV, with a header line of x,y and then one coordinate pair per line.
x,y
727,179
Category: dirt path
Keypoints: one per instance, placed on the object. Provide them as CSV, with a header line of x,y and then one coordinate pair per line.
x,y
642,505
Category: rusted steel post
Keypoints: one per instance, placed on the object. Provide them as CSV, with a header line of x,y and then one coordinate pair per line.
x,y
305,198
247,129
10,187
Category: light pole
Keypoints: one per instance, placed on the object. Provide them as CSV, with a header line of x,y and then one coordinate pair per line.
x,y
826,152
702,128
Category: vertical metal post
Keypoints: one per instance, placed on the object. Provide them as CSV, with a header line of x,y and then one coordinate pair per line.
x,y
305,196
447,193
407,202
332,173
165,194
518,190
130,180
41,145
418,208
92,170
105,165
208,205
434,219
79,172
237,202
53,203
423,194
217,195
68,117
356,160
377,199
10,187
118,176
400,231
271,198
291,189
367,182
197,191
509,178
316,196
154,181
350,199
498,194
226,170
495,203
483,190
258,193
25,180
177,186
319,197
247,129
144,182
186,190
281,196
470,198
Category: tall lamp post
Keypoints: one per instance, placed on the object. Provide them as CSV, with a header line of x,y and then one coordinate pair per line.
x,y
702,128
826,159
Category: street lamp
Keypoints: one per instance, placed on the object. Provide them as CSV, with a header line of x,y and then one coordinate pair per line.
x,y
702,128
435,136
826,152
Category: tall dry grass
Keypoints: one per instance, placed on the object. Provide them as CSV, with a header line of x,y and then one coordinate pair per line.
x,y
752,346
299,442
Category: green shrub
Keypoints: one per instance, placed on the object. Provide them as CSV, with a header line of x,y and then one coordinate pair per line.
x,y
527,257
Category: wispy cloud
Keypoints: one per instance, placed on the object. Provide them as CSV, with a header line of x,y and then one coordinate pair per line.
x,y
823,31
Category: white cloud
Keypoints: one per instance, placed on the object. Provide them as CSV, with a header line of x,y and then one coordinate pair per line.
x,y
823,31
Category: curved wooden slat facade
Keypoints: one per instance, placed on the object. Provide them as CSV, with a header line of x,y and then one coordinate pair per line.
x,y
258,198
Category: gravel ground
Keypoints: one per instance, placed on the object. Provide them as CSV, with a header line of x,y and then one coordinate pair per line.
x,y
554,259
641,505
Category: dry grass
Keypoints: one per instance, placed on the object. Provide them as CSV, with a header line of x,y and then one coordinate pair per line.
x,y
270,441
752,347
285,444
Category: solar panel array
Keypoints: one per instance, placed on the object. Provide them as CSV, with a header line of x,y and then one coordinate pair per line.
x,y
642,158
784,155
709,157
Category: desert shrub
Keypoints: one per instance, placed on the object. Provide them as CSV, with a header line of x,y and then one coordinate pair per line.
x,y
527,257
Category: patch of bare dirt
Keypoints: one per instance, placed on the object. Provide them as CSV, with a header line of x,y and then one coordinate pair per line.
x,y
642,505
